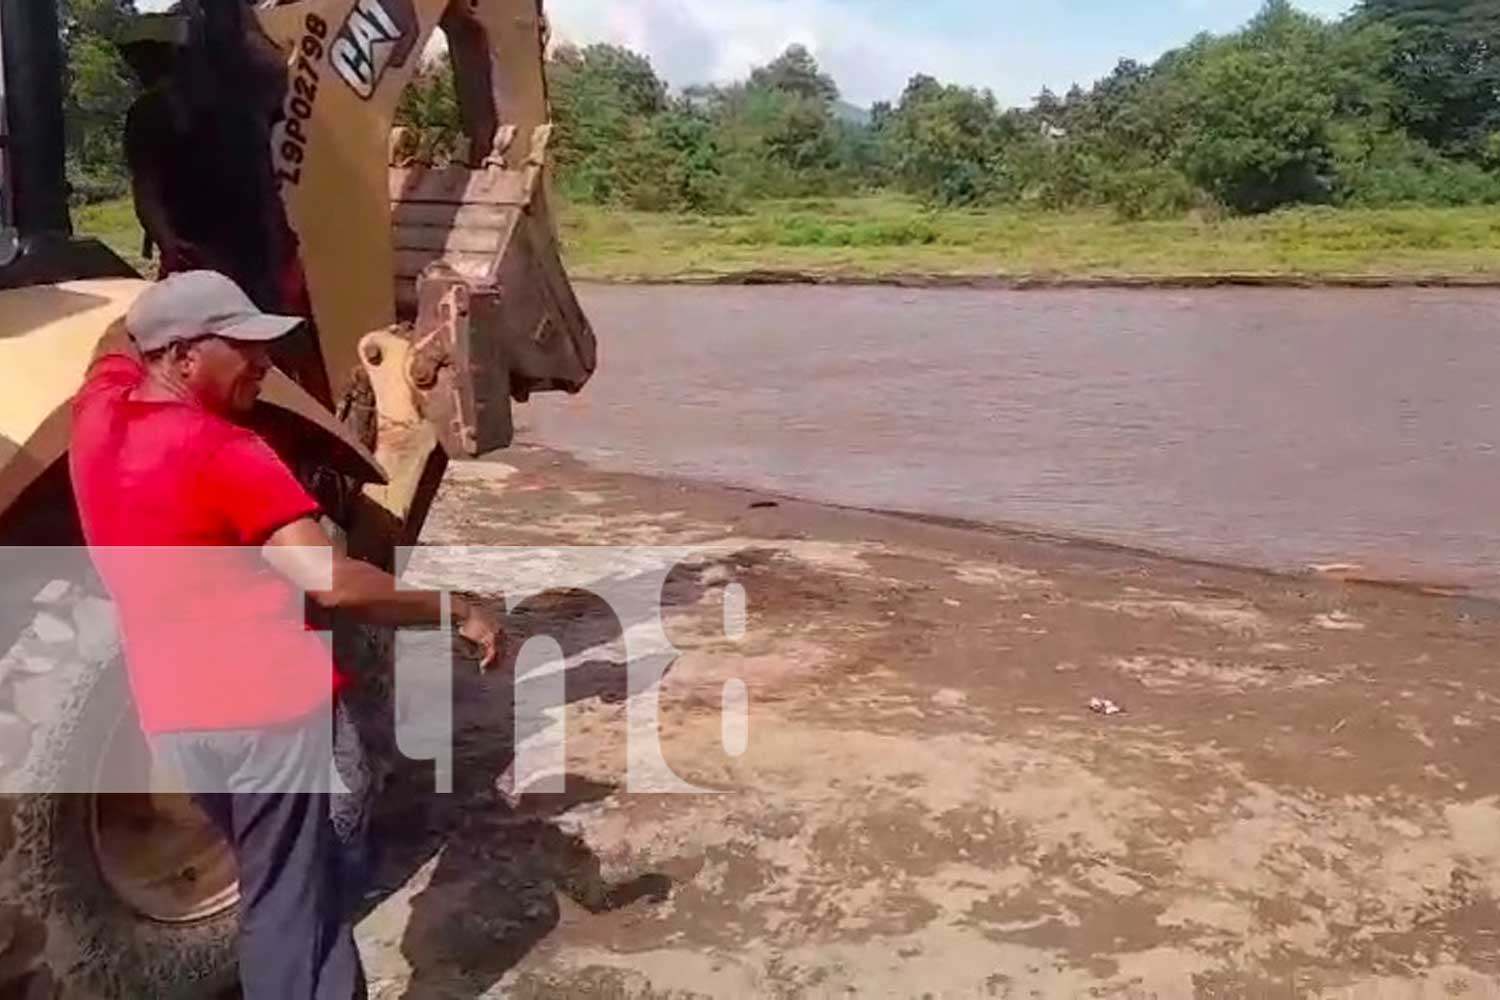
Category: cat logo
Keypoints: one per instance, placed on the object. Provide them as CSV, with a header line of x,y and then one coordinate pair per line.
x,y
377,35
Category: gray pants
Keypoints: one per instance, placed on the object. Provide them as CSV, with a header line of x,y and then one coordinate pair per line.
x,y
269,792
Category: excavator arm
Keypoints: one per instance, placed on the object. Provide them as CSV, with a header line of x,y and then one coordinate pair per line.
x,y
363,211
437,288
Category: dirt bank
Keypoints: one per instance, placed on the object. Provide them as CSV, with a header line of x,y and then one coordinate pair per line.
x,y
1301,797
1041,281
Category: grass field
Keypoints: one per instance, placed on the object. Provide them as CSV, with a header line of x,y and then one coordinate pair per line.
x,y
873,237
878,237
113,222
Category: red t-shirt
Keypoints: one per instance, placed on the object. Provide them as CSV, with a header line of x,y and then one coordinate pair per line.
x,y
176,503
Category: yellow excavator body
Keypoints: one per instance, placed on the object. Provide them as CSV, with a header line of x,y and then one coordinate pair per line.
x,y
437,298
371,226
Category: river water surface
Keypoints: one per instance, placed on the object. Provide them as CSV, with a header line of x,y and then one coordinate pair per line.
x,y
1281,428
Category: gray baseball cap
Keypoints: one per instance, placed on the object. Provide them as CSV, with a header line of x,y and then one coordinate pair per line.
x,y
193,304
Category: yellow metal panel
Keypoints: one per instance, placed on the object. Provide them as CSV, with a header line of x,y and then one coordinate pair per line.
x,y
516,36
47,336
348,62
341,450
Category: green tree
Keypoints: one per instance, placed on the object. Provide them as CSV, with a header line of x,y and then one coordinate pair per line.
x,y
783,125
625,78
759,145
690,176
1256,115
429,107
98,91
620,140
863,155
801,134
430,101
1394,103
796,72
946,141
778,132
1445,62
603,98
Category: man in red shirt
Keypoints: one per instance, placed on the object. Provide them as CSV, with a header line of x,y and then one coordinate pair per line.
x,y
199,531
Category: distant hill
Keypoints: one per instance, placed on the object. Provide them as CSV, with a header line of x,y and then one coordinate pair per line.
x,y
851,113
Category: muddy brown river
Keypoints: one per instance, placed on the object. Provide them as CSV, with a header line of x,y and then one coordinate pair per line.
x,y
1279,428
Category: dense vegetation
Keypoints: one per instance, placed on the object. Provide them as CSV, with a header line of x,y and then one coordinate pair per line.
x,y
1398,103
98,88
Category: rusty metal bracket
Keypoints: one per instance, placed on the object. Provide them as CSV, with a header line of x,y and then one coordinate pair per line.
x,y
406,445
478,345
440,369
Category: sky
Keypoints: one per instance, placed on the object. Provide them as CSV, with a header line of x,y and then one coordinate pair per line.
x,y
872,47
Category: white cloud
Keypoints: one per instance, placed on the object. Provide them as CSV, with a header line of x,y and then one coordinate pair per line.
x,y
871,56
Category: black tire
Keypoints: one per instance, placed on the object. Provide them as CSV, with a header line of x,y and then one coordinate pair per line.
x,y
69,934
63,932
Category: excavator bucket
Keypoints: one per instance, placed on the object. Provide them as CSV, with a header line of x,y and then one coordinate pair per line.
x,y
495,316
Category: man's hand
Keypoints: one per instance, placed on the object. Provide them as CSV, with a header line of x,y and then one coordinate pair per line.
x,y
303,553
479,627
116,342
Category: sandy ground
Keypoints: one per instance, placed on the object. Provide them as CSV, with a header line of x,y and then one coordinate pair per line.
x,y
1300,798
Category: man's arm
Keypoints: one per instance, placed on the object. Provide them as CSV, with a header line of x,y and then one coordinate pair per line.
x,y
302,551
146,131
150,209
116,342
148,137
